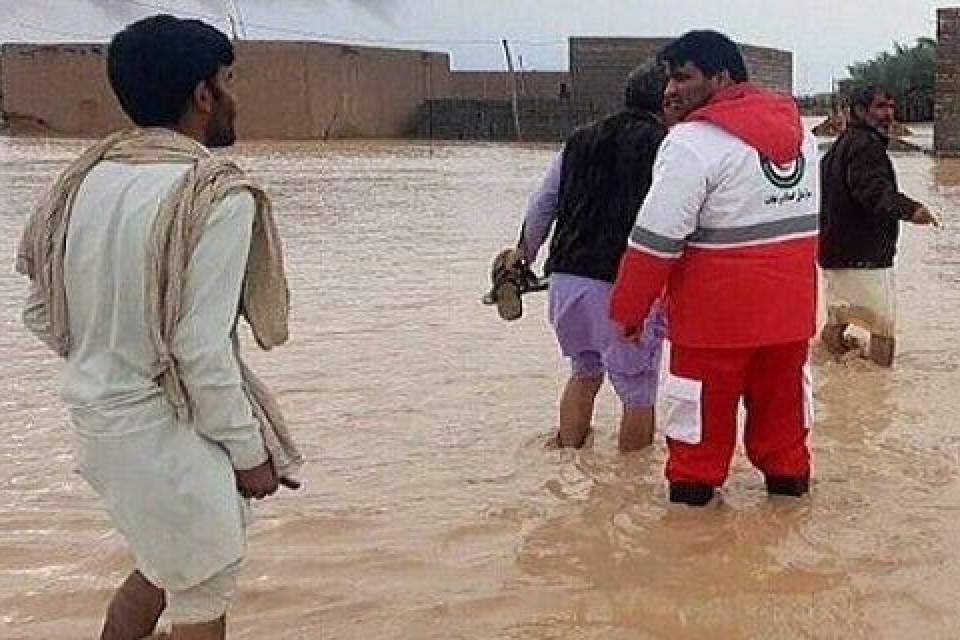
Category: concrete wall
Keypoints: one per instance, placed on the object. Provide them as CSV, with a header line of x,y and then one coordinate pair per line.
x,y
285,89
946,126
496,85
599,68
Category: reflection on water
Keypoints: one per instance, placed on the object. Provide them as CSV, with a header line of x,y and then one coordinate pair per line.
x,y
433,509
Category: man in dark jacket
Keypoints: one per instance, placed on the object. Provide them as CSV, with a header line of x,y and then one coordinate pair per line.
x,y
860,219
590,195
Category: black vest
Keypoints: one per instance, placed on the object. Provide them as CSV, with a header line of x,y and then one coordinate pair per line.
x,y
607,171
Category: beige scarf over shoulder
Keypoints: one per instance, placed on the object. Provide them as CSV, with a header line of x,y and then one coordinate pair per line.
x,y
179,225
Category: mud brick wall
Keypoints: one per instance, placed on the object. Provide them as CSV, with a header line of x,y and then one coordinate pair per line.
x,y
285,89
599,68
946,110
498,85
541,120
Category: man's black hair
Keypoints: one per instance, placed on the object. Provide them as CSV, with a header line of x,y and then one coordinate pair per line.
x,y
155,64
863,95
709,51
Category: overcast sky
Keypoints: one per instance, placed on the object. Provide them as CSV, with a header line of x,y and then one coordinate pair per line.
x,y
825,35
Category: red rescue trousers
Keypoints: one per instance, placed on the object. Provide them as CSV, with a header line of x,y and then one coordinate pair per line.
x,y
701,396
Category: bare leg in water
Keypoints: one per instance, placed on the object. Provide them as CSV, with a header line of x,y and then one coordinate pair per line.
x,y
636,428
881,350
136,607
576,410
215,630
134,610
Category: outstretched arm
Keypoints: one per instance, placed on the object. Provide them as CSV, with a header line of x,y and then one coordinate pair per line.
x,y
872,187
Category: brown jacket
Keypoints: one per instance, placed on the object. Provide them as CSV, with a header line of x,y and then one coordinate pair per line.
x,y
861,208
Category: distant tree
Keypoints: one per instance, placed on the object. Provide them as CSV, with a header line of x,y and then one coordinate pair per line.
x,y
909,71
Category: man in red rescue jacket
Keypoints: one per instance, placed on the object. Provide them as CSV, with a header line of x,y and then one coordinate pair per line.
x,y
728,233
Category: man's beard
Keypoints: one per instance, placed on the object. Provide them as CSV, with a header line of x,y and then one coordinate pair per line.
x,y
219,134
220,129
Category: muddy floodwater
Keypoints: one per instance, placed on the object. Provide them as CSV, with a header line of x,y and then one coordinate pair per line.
x,y
432,507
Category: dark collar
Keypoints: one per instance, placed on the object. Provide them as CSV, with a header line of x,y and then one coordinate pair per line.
x,y
871,131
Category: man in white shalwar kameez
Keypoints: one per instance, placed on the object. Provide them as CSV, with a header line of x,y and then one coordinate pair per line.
x,y
174,479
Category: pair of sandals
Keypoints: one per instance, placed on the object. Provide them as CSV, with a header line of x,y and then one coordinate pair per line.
x,y
510,279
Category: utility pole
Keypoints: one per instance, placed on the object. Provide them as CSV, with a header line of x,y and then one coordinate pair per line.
x,y
513,88
521,73
233,27
235,18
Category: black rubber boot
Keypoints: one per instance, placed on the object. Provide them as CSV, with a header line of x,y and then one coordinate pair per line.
x,y
794,486
695,494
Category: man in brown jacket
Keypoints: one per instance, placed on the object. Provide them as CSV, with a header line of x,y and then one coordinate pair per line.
x,y
860,219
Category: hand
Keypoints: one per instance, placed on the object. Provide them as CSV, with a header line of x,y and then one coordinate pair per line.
x,y
922,216
514,259
629,334
259,482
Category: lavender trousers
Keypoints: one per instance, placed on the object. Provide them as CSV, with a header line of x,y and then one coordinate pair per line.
x,y
579,313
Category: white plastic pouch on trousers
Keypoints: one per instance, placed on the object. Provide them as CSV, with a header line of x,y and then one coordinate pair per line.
x,y
683,414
